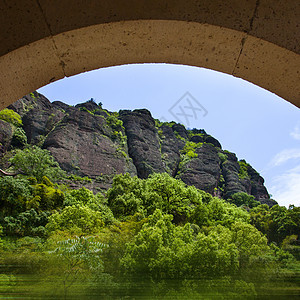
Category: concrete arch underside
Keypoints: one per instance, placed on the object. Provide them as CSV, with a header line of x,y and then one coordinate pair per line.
x,y
42,41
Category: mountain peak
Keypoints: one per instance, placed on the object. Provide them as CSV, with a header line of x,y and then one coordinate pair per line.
x,y
87,140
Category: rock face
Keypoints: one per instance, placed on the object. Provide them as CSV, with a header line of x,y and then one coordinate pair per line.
x,y
83,142
38,114
37,123
6,134
230,172
87,140
143,141
170,149
29,102
202,171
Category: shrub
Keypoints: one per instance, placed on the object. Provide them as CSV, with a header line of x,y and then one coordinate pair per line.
x,y
242,198
46,196
29,222
77,219
19,138
14,193
11,117
189,149
222,156
243,171
113,122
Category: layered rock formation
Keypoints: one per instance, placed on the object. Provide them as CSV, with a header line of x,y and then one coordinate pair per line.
x,y
87,140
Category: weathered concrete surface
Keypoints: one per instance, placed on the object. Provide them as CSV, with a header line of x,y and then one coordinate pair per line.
x,y
44,40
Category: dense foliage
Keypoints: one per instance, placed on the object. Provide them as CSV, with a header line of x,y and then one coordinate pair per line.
x,y
11,117
152,238
243,199
37,162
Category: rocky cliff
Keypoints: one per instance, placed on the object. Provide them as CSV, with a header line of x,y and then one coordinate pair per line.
x,y
87,140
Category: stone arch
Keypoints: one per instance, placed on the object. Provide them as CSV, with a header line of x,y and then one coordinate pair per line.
x,y
46,40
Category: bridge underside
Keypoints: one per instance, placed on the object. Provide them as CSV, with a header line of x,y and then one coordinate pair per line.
x,y
46,40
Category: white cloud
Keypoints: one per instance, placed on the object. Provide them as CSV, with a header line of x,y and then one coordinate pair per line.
x,y
294,170
295,134
285,155
286,187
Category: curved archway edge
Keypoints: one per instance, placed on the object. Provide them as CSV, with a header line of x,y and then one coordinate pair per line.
x,y
43,41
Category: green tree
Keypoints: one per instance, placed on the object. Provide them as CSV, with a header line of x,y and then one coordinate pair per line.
x,y
260,218
283,222
172,196
249,241
37,162
130,195
291,244
79,255
163,250
14,193
76,219
217,211
80,196
27,223
86,197
46,196
276,222
243,199
125,196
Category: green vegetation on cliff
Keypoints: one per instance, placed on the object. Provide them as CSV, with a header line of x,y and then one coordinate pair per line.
x,y
11,117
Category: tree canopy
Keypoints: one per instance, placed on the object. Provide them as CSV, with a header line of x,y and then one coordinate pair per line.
x,y
155,235
37,162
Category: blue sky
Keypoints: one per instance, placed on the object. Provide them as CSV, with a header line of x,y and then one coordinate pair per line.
x,y
257,125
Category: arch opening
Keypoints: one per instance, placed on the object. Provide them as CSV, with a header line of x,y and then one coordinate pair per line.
x,y
236,110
